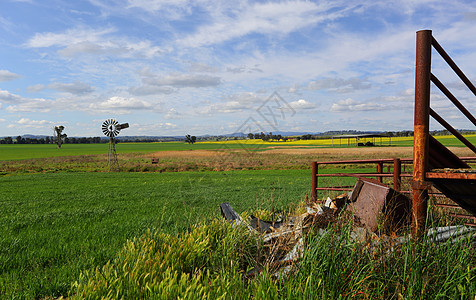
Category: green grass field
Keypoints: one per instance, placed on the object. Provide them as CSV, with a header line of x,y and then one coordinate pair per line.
x,y
55,225
16,152
19,152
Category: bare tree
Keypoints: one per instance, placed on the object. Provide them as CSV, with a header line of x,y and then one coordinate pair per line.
x,y
58,135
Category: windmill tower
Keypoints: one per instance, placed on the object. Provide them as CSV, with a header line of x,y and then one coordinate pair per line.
x,y
111,128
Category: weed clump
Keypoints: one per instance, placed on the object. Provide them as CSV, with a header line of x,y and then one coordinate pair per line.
x,y
206,262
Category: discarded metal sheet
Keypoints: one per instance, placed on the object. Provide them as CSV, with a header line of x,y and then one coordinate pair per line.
x,y
451,233
228,212
264,226
374,202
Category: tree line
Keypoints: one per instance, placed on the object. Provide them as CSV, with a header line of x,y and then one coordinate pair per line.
x,y
51,140
266,136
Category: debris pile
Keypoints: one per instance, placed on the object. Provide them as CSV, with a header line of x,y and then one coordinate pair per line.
x,y
376,211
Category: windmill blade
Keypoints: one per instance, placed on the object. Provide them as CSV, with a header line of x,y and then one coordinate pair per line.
x,y
111,127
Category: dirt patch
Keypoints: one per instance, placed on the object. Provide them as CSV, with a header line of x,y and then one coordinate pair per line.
x,y
187,154
368,152
461,152
294,147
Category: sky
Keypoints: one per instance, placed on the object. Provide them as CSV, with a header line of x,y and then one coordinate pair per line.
x,y
219,67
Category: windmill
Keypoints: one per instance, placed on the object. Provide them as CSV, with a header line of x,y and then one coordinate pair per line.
x,y
111,128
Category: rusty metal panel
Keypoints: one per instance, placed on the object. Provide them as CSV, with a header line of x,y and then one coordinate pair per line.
x,y
458,185
375,202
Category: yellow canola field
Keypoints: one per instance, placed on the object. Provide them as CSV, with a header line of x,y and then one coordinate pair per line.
x,y
319,142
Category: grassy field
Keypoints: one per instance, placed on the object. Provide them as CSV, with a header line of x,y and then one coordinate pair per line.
x,y
55,225
17,152
64,216
20,152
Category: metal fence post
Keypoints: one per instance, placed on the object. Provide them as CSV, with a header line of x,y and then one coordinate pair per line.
x,y
380,171
397,171
314,181
421,130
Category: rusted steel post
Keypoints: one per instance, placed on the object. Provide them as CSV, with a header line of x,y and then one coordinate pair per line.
x,y
421,130
314,181
397,172
380,171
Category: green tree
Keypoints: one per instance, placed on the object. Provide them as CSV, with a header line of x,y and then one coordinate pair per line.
x,y
58,135
191,139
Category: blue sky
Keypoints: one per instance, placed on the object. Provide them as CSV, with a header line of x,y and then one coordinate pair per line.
x,y
215,67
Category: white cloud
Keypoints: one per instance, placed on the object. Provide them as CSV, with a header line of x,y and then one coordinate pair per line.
x,y
172,114
202,68
69,37
26,121
184,80
7,97
235,103
301,104
154,84
32,105
35,88
120,105
352,105
244,69
75,88
294,89
154,5
238,20
340,85
156,128
22,104
78,41
151,90
173,9
6,75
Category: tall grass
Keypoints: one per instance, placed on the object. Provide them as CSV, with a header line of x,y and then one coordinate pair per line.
x,y
52,226
211,262
336,267
208,261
